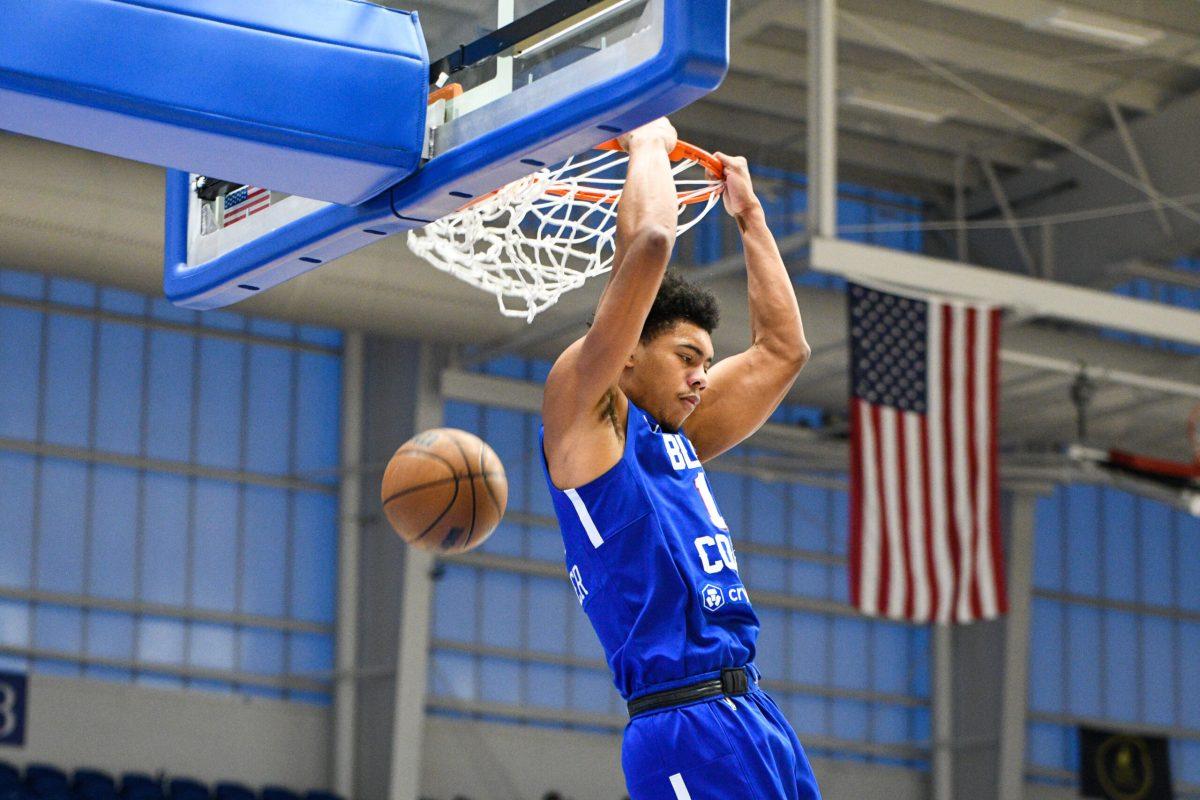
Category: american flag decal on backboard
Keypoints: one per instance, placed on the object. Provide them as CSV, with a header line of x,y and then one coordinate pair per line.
x,y
241,203
924,507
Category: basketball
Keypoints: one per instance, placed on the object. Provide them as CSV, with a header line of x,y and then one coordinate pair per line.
x,y
444,490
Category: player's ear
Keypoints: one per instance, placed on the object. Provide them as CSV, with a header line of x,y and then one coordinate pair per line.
x,y
633,356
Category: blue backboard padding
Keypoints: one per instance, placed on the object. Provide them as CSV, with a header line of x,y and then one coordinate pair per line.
x,y
691,62
320,98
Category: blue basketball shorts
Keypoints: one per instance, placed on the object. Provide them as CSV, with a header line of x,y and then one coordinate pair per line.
x,y
723,748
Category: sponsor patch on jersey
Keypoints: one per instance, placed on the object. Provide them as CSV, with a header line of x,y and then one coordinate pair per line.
x,y
712,597
715,597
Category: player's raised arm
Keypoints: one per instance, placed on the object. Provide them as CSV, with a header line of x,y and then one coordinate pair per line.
x,y
587,371
743,390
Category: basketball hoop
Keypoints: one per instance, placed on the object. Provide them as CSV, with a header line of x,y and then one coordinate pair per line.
x,y
530,242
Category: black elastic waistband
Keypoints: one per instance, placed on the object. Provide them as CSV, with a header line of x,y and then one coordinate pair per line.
x,y
733,682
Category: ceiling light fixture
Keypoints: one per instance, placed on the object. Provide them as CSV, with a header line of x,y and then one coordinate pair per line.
x,y
1112,31
929,116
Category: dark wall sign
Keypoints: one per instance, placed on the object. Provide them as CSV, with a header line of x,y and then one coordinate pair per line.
x,y
13,695
1122,766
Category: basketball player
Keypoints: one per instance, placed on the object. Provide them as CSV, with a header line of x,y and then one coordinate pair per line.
x,y
630,412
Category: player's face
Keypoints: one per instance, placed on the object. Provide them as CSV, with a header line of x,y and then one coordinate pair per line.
x,y
667,375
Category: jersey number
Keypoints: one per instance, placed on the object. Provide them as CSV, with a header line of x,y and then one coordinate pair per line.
x,y
721,542
707,496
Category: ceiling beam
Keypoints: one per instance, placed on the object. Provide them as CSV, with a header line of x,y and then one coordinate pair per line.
x,y
1139,268
788,100
921,188
1174,46
1014,65
751,125
1037,297
784,66
1139,165
976,56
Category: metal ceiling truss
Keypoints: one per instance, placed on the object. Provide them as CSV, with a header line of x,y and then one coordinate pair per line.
x,y
1174,46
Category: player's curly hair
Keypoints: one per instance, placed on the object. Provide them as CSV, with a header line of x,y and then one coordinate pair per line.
x,y
677,299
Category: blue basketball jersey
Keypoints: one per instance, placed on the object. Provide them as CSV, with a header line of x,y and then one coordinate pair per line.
x,y
652,564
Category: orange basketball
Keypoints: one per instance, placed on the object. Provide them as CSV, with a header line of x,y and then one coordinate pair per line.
x,y
444,490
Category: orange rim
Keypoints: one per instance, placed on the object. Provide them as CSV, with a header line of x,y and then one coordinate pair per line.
x,y
683,150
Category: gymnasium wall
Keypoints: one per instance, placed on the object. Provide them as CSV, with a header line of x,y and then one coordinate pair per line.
x,y
1115,635
167,522
209,736
168,531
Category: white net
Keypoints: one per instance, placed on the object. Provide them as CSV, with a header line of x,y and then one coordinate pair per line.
x,y
530,242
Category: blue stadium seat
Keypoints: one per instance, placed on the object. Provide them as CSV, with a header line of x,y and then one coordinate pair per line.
x,y
278,793
92,784
47,782
187,789
9,775
137,786
227,790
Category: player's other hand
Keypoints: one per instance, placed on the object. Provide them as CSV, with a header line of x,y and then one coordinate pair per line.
x,y
659,131
739,194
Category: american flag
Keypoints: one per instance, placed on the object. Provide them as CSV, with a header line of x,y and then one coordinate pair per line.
x,y
924,511
241,203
